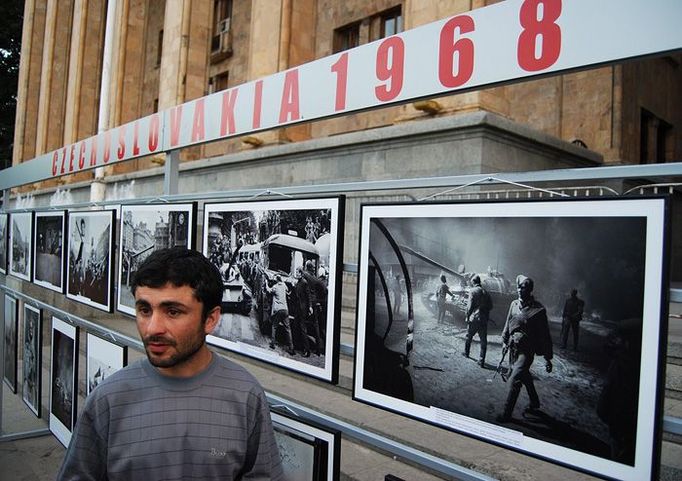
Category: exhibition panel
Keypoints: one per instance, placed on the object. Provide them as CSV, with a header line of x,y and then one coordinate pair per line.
x,y
434,276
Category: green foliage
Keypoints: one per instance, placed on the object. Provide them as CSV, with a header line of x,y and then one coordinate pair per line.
x,y
11,23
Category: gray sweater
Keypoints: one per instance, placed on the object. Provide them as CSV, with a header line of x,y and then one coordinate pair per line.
x,y
141,425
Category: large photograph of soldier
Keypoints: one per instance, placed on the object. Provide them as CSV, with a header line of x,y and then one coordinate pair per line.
x,y
90,254
3,242
278,260
532,324
31,367
20,245
10,325
63,382
48,266
144,229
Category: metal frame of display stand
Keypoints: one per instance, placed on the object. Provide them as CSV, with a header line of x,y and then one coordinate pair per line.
x,y
170,185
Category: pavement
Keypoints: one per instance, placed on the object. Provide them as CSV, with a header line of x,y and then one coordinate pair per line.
x,y
39,458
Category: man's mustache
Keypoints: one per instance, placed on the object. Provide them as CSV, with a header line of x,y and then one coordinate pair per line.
x,y
158,340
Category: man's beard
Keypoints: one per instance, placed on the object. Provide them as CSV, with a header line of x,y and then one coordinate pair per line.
x,y
184,352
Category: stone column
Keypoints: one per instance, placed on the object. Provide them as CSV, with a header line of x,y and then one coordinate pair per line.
x,y
29,81
54,74
85,67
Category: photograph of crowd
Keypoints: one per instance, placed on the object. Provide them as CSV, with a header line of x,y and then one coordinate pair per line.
x,y
4,233
144,229
31,367
10,326
279,263
90,251
48,264
20,245
530,321
63,381
103,358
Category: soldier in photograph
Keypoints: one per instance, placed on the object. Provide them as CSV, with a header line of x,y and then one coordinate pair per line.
x,y
397,295
478,313
526,332
305,309
441,293
570,319
317,291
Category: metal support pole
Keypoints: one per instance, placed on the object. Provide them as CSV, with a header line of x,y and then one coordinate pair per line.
x,y
171,172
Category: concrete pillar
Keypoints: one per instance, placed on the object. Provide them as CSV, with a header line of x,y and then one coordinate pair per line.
x,y
29,81
50,121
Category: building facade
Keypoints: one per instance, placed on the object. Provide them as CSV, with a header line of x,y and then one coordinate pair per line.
x,y
166,53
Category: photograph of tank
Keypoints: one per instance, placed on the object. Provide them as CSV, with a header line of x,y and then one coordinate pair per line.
x,y
49,255
90,253
144,229
10,326
20,250
4,233
63,379
309,452
280,262
32,358
103,358
520,323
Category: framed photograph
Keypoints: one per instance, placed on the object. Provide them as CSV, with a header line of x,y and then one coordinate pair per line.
x,y
144,229
90,273
309,451
10,328
48,250
63,379
20,250
281,267
462,305
4,234
103,359
32,362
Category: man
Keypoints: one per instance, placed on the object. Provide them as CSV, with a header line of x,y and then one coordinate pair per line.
x,y
397,295
280,312
305,310
527,334
571,317
317,291
478,313
183,412
441,293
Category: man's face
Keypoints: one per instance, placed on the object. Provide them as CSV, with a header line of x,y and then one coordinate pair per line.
x,y
524,290
169,320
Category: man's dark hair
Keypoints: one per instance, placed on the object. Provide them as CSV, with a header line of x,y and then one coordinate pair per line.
x,y
179,267
476,280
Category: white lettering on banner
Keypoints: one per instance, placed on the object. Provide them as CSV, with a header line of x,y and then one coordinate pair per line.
x,y
503,42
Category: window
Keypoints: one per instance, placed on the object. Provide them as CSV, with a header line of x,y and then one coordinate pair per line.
x,y
218,82
159,48
656,137
391,22
221,40
346,37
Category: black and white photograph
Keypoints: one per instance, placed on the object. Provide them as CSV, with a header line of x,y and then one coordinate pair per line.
x,y
4,234
48,248
309,452
63,379
533,325
90,254
32,359
281,265
10,333
103,359
21,235
144,229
